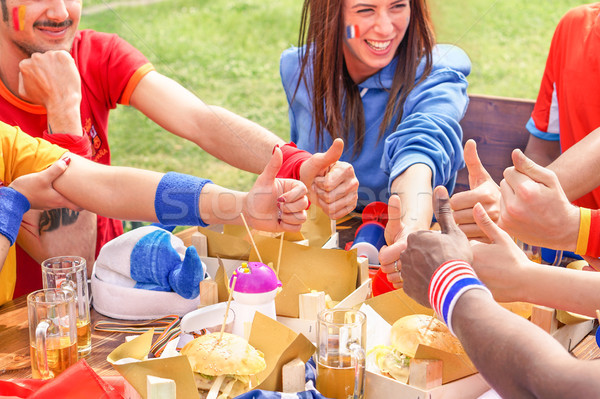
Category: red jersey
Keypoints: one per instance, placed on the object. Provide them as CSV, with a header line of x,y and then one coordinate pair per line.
x,y
568,104
110,68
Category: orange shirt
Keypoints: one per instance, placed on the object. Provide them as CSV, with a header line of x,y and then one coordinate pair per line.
x,y
568,104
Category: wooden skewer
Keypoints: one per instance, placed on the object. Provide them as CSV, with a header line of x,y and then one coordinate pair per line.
x,y
228,304
251,238
279,256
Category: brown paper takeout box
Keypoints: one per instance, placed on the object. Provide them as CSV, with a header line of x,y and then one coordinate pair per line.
x,y
279,344
303,268
459,377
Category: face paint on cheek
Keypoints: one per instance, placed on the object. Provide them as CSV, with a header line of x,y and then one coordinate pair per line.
x,y
19,17
15,18
352,31
22,17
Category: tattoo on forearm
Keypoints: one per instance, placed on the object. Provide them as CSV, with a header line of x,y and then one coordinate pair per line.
x,y
54,218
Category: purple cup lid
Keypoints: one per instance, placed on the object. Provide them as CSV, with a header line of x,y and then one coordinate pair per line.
x,y
254,278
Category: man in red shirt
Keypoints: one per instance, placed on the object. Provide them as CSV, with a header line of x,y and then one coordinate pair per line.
x,y
60,84
567,106
565,117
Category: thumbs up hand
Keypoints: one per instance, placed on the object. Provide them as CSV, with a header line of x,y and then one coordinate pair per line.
x,y
332,183
483,190
534,207
275,204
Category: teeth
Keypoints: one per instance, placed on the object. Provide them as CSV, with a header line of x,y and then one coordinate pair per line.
x,y
378,45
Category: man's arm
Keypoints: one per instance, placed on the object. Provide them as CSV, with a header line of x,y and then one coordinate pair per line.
x,y
227,136
240,142
577,168
542,152
51,79
4,247
516,357
33,189
511,276
55,232
128,193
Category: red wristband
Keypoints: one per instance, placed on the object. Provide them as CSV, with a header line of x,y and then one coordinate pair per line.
x,y
593,247
293,158
79,145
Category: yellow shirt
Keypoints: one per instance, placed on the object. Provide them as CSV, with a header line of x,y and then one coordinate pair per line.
x,y
20,154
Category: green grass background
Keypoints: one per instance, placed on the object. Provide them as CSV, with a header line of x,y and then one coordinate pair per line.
x,y
227,53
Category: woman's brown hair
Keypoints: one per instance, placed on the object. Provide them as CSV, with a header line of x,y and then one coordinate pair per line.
x,y
321,29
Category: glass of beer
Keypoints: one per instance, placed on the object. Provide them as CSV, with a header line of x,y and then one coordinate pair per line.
x,y
341,342
70,273
52,332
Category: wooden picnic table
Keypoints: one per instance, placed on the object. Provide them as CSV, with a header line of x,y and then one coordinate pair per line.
x,y
14,331
14,343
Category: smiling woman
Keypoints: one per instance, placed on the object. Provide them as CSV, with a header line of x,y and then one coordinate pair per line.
x,y
369,72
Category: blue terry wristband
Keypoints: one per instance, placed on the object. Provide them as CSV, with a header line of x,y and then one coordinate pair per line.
x,y
13,205
177,199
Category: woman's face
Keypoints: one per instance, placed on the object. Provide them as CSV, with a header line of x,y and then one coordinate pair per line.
x,y
381,27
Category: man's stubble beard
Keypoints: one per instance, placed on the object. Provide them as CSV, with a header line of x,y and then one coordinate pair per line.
x,y
28,49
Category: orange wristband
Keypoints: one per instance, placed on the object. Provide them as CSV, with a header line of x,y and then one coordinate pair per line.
x,y
585,219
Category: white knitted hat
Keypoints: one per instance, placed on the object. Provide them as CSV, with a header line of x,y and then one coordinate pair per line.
x,y
113,288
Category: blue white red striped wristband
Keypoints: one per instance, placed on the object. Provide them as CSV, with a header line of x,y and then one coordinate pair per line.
x,y
448,283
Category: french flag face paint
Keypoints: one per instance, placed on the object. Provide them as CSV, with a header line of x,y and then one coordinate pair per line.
x,y
19,17
352,31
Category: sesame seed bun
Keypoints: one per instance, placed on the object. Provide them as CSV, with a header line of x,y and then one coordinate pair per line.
x,y
231,355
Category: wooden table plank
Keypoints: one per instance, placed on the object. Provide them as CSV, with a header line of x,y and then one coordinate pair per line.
x,y
587,349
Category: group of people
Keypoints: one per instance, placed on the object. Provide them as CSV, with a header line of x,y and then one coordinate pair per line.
x,y
374,110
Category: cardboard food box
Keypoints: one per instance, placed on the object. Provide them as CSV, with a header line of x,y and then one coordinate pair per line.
x,y
278,343
307,265
459,380
459,376
302,269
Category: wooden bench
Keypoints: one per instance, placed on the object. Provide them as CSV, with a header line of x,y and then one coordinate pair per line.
x,y
497,124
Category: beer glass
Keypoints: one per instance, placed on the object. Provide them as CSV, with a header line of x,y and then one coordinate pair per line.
x,y
52,332
70,273
341,342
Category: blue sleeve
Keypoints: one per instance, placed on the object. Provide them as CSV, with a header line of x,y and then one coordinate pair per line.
x,y
286,74
429,132
541,134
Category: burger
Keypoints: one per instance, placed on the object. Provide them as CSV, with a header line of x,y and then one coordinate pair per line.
x,y
407,334
224,367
